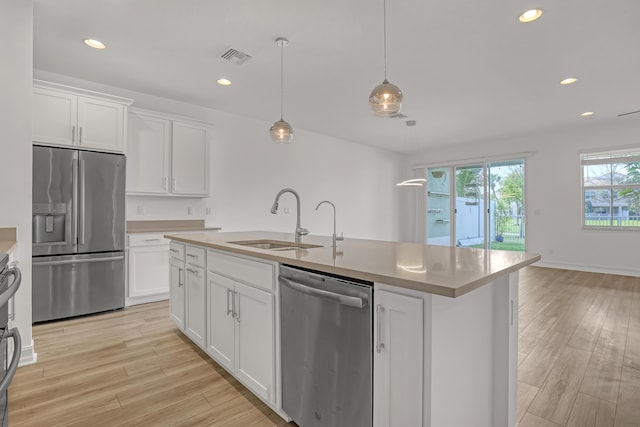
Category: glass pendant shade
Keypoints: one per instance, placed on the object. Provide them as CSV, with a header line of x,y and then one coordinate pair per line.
x,y
281,132
385,99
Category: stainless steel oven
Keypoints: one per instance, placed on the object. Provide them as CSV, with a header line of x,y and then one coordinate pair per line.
x,y
10,279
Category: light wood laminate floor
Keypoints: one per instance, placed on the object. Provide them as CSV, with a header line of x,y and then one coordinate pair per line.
x,y
128,368
579,349
579,364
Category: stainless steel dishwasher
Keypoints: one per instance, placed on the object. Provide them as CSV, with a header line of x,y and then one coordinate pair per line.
x,y
326,347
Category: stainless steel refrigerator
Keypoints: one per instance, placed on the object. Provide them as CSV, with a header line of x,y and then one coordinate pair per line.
x,y
78,232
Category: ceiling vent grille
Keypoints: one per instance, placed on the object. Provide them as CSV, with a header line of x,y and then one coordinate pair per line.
x,y
233,55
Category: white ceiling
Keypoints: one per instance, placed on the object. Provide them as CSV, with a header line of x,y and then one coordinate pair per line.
x,y
469,70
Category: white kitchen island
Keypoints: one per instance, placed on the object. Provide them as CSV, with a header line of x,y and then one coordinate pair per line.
x,y
445,320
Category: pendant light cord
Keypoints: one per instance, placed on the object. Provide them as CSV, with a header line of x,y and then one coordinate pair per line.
x,y
384,26
281,81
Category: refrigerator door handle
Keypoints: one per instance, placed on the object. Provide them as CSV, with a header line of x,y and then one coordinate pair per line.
x,y
81,202
76,261
74,211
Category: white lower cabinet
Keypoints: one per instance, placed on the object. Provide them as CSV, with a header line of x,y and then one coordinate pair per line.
x,y
148,268
255,340
226,305
195,310
221,320
176,292
398,360
241,332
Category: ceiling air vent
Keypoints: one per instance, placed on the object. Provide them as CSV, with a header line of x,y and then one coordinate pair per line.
x,y
233,55
630,112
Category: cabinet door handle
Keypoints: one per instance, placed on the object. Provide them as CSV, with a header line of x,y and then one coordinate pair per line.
x,y
73,134
80,137
152,240
229,310
234,305
165,184
180,278
175,183
192,271
379,343
175,251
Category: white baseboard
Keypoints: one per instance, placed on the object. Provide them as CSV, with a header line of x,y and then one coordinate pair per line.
x,y
28,356
590,268
129,301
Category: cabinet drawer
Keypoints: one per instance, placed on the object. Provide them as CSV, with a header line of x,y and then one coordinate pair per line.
x,y
256,273
147,240
177,251
195,256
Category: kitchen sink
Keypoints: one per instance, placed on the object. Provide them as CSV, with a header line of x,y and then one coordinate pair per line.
x,y
274,245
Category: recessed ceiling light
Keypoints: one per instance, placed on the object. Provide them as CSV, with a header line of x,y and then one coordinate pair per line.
x,y
96,44
224,82
530,15
568,81
587,114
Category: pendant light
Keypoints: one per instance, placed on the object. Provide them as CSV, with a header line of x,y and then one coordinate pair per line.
x,y
281,132
386,98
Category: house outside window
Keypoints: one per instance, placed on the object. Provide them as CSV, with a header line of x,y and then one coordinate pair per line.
x,y
611,189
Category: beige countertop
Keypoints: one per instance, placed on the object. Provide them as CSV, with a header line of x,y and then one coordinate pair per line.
x,y
441,270
158,226
8,239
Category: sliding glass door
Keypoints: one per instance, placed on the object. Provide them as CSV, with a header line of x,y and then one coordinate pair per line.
x,y
506,205
480,205
469,209
439,206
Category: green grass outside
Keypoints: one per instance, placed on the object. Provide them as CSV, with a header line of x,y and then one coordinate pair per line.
x,y
508,245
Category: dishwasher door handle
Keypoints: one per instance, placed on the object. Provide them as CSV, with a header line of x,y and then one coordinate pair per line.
x,y
342,299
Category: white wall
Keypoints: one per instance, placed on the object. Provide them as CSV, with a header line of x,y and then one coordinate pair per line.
x,y
16,32
247,170
553,194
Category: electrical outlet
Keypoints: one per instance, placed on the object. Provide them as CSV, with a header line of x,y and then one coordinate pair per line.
x,y
190,211
208,211
140,210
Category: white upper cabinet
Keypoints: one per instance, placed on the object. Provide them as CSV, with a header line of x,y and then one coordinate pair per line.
x,y
190,159
100,124
148,154
167,155
55,117
75,117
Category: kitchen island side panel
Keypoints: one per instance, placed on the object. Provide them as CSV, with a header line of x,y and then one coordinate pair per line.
x,y
473,360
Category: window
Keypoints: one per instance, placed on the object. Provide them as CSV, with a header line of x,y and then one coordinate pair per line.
x,y
611,189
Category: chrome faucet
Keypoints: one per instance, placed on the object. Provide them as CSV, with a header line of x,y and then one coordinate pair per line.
x,y
335,238
274,209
